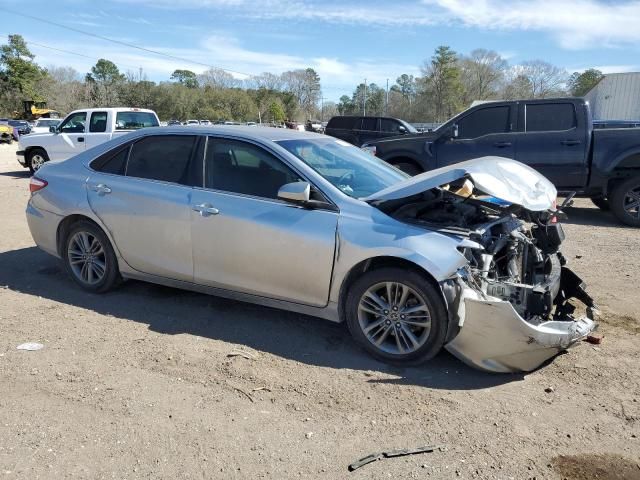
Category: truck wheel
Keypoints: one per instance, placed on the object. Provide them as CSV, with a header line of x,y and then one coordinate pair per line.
x,y
36,158
625,201
408,168
602,203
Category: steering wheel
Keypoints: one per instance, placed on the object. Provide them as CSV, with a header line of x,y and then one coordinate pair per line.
x,y
343,179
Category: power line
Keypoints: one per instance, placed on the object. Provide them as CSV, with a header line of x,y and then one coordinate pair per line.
x,y
126,44
68,51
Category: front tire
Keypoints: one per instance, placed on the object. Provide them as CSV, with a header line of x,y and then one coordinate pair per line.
x,y
36,158
89,258
625,201
396,315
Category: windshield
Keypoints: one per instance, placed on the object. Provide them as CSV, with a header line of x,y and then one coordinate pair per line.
x,y
354,172
135,120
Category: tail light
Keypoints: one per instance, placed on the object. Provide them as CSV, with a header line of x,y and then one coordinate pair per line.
x,y
36,184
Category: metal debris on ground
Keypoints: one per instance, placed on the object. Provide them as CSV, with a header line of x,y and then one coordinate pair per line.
x,y
594,339
240,353
30,346
392,454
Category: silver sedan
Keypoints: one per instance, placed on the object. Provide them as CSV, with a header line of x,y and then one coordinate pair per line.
x,y
464,257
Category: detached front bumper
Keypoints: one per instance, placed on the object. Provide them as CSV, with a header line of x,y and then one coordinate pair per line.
x,y
495,338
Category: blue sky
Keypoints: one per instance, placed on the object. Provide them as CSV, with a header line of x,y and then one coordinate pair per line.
x,y
345,41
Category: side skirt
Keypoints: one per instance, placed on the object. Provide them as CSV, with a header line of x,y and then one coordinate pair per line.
x,y
330,312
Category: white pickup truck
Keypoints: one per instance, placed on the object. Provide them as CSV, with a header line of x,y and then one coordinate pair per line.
x,y
80,130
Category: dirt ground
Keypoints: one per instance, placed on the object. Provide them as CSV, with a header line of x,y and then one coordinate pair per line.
x,y
139,383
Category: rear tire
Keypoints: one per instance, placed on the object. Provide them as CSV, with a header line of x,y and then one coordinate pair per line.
x,y
408,168
89,258
36,158
602,203
397,315
625,201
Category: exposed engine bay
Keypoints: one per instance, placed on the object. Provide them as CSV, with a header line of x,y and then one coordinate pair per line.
x,y
517,257
514,259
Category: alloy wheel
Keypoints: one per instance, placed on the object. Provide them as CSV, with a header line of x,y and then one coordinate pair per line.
x,y
37,161
87,258
394,318
631,203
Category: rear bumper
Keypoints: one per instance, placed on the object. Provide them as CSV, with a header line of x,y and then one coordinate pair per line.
x,y
43,226
20,157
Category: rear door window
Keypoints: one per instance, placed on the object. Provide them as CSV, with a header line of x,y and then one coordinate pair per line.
x,y
168,158
369,124
484,121
98,123
549,117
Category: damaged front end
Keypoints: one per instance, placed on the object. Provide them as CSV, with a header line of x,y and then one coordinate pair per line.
x,y
513,304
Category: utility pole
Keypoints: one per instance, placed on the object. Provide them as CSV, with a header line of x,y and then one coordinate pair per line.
x,y
364,104
386,103
140,74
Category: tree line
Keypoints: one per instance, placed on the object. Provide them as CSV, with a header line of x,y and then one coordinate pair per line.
x,y
448,84
451,82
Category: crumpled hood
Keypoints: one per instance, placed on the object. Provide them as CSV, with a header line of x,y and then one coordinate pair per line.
x,y
499,177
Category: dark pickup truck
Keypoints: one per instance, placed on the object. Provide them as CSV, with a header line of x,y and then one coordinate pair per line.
x,y
554,136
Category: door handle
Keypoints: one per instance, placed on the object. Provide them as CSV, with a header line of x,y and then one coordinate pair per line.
x,y
502,144
571,143
80,139
205,209
101,188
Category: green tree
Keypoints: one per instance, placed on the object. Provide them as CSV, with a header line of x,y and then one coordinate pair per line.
x,y
579,84
105,79
443,83
186,77
346,106
18,70
276,112
406,86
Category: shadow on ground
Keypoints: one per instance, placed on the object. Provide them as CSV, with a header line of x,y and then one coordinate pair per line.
x,y
592,216
288,335
17,174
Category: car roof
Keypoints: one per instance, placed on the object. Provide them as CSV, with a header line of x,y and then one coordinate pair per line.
x,y
250,133
112,109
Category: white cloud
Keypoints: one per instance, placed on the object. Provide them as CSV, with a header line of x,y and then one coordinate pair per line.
x,y
575,24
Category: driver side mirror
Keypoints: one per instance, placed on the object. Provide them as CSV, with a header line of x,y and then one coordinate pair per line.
x,y
295,192
53,129
402,130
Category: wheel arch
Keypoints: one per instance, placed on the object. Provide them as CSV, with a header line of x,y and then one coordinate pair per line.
x,y
403,158
377,262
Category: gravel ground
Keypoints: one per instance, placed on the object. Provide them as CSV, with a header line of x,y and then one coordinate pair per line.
x,y
139,383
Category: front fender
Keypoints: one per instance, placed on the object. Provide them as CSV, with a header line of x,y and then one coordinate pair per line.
x,y
361,239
